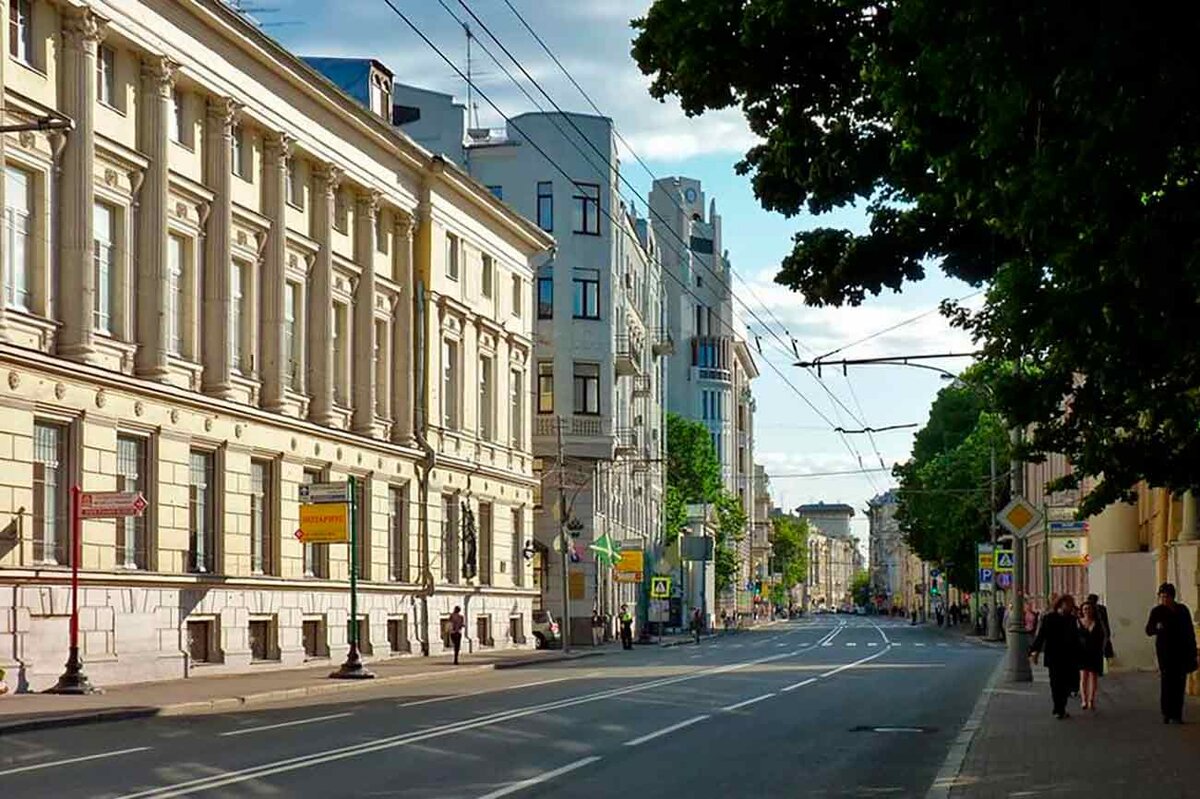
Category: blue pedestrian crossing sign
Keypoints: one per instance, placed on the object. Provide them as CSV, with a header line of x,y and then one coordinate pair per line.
x,y
1004,561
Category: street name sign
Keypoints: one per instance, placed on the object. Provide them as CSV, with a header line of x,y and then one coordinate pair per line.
x,y
325,523
1071,527
323,493
1019,517
660,587
107,504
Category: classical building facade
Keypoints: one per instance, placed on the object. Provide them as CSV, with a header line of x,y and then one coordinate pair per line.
x,y
895,569
833,556
229,279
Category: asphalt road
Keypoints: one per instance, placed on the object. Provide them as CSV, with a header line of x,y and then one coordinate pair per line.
x,y
831,706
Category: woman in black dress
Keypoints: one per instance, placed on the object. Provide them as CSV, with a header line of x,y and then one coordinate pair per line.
x,y
1092,636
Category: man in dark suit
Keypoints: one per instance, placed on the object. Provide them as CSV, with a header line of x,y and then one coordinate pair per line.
x,y
1175,644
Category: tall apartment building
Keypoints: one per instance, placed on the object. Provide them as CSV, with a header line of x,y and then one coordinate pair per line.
x,y
231,278
598,348
896,570
710,381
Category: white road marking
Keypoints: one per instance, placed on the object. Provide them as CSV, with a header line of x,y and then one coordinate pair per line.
x,y
748,702
262,770
549,775
781,644
491,691
851,643
897,643
666,730
38,766
918,644
858,662
296,723
872,643
800,684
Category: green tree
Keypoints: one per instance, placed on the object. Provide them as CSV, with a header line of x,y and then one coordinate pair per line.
x,y
1048,154
731,528
860,588
789,549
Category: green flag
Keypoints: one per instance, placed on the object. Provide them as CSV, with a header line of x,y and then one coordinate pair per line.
x,y
606,553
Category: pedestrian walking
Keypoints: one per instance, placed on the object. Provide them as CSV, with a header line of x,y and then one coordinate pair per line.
x,y
597,628
1058,638
626,628
1102,617
457,623
1175,644
1092,637
697,623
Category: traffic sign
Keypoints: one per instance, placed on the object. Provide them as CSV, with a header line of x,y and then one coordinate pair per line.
x,y
1069,550
1019,517
660,587
985,561
630,566
322,493
104,504
325,523
1004,561
1071,527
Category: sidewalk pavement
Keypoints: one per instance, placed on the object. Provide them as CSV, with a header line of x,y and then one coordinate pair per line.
x,y
1119,750
223,693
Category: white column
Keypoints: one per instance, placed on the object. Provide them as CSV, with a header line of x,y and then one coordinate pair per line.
x,y
365,217
218,249
403,336
274,275
320,299
82,31
158,81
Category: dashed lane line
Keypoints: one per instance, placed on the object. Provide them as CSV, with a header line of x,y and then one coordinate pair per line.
x,y
85,758
666,730
546,777
296,723
748,702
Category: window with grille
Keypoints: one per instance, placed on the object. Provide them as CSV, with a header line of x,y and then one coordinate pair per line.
x,y
18,229
132,546
104,268
262,550
398,533
51,497
202,513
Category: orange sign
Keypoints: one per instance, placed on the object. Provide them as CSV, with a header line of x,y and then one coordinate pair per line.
x,y
326,523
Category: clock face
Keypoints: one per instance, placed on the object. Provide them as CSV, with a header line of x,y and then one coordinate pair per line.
x,y
689,194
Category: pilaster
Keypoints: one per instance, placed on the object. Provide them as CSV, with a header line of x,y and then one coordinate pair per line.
x,y
320,304
274,265
218,247
404,336
82,32
365,218
153,282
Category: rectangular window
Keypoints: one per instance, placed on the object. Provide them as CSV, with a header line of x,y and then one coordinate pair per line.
x,y
545,387
545,205
450,535
398,533
587,388
106,75
18,230
382,237
341,210
51,522
132,473
483,549
516,404
487,409
585,294
488,277
202,514
518,547
341,355
177,294
545,297
450,383
262,509
452,255
382,371
20,30
237,150
586,205
291,334
315,556
497,192
178,128
295,186
238,317
362,522
518,296
104,267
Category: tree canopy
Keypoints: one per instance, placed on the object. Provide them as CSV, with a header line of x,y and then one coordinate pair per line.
x,y
1048,153
789,549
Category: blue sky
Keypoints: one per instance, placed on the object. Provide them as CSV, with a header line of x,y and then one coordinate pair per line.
x,y
592,39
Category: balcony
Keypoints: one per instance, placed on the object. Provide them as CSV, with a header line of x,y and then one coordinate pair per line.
x,y
642,386
577,425
628,441
661,343
628,356
707,373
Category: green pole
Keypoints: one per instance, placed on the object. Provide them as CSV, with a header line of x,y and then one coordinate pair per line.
x,y
353,667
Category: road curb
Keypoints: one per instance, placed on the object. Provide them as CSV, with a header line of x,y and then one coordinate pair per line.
x,y
947,776
688,640
228,703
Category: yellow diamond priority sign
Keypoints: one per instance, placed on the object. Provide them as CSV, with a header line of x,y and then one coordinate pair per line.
x,y
1019,517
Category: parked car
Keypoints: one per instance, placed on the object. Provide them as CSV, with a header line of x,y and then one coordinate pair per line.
x,y
545,630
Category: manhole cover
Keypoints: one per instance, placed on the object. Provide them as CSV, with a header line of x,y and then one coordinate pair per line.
x,y
894,729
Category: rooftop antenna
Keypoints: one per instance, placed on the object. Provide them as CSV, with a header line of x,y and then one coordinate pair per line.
x,y
472,105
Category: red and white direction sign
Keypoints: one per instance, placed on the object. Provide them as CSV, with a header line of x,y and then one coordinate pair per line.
x,y
102,504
